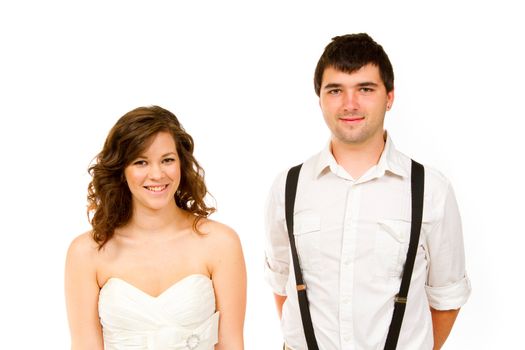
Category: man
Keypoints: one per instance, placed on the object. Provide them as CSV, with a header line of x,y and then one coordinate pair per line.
x,y
352,221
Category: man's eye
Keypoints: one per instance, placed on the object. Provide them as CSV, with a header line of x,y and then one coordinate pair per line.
x,y
334,92
365,89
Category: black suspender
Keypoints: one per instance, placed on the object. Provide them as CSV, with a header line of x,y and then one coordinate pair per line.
x,y
417,188
289,203
417,182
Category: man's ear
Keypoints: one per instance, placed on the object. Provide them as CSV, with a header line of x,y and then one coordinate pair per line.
x,y
389,99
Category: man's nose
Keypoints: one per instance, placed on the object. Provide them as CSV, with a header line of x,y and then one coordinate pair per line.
x,y
350,101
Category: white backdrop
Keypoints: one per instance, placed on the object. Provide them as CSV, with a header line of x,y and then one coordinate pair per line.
x,y
239,77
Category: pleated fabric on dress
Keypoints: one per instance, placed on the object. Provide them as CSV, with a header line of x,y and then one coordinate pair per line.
x,y
183,317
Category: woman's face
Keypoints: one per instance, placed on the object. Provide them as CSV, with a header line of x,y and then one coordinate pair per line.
x,y
154,176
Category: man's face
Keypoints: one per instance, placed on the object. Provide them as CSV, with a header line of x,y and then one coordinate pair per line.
x,y
354,105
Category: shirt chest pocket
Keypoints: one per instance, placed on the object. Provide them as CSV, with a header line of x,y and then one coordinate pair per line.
x,y
391,246
307,233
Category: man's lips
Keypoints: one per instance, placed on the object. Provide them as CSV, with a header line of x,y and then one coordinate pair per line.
x,y
352,119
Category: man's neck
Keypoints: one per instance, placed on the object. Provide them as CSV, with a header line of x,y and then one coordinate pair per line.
x,y
356,159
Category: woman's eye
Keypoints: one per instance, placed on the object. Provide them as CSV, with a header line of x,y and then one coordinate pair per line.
x,y
169,160
139,162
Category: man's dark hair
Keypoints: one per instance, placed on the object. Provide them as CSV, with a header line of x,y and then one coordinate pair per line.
x,y
348,53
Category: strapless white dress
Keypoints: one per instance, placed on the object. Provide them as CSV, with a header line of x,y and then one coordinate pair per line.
x,y
183,317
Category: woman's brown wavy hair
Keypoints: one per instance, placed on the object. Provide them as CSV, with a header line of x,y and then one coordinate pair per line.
x,y
109,198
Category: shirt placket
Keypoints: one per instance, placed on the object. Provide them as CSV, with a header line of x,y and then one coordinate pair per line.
x,y
346,276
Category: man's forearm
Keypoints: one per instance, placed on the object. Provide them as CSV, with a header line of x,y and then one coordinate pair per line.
x,y
279,301
442,322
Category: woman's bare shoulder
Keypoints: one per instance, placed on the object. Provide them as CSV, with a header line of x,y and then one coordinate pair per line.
x,y
83,246
218,234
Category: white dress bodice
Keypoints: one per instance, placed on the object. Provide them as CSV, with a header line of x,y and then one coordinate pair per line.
x,y
183,317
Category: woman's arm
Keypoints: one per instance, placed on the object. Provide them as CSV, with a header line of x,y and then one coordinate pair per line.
x,y
82,295
228,272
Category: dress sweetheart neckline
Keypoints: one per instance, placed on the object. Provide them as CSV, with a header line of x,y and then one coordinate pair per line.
x,y
163,292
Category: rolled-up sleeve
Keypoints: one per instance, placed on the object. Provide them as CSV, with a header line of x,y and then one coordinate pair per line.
x,y
448,286
277,246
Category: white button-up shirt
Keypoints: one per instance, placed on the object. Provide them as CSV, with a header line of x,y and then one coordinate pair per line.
x,y
352,237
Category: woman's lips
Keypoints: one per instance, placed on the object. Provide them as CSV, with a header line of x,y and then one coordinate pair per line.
x,y
156,188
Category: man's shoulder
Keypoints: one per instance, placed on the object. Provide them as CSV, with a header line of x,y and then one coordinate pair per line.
x,y
436,176
309,162
306,166
436,183
433,177
309,165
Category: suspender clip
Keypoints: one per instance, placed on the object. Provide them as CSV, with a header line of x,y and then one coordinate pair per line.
x,y
400,300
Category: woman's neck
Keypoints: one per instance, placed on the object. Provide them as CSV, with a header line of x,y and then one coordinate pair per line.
x,y
146,221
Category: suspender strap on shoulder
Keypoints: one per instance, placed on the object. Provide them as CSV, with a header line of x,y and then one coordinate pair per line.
x,y
289,203
400,301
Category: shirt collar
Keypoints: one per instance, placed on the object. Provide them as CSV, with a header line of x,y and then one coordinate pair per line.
x,y
389,161
326,160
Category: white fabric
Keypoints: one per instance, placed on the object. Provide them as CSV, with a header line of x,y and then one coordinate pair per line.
x,y
183,317
352,236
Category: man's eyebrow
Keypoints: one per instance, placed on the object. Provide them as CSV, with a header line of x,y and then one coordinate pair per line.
x,y
363,84
332,86
367,83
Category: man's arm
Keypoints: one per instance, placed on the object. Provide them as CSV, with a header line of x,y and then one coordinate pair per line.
x,y
279,301
447,286
277,245
442,322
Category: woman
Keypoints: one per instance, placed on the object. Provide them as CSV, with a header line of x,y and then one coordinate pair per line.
x,y
154,272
